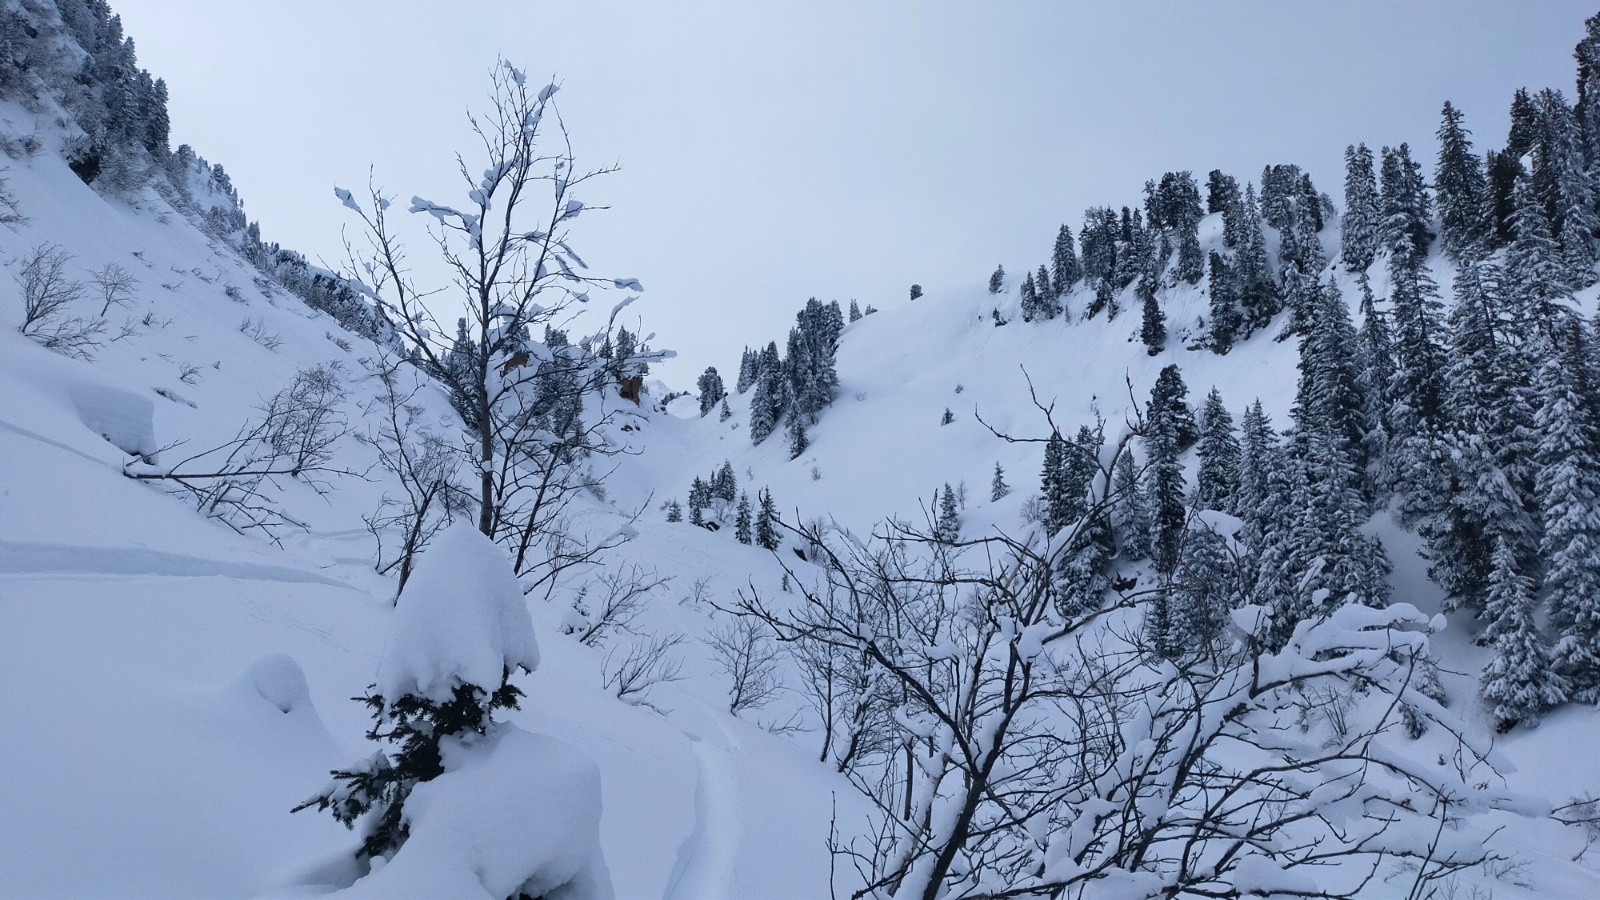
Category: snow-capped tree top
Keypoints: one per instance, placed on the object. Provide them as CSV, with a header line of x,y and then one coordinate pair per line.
x,y
460,620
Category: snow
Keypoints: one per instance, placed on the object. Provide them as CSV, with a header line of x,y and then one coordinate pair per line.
x,y
514,811
461,620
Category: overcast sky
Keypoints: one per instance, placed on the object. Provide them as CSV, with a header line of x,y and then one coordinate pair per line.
x,y
773,151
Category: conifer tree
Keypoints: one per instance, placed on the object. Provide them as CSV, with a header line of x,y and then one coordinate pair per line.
x,y
1063,263
1258,462
749,370
1032,308
1490,495
1459,185
798,440
1258,296
1153,330
855,311
674,511
1166,489
1046,294
1375,363
1200,596
1359,237
997,281
726,412
1568,486
767,523
711,390
1079,468
1416,417
1224,303
1329,392
699,499
1406,206
947,524
1131,509
741,520
1053,485
766,404
1518,684
1168,402
1217,482
997,485
1570,194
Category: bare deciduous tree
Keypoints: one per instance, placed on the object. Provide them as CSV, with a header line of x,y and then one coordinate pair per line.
x,y
747,658
48,295
114,284
422,462
513,271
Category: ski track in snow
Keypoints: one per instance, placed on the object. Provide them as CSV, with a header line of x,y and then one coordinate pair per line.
x,y
706,862
19,558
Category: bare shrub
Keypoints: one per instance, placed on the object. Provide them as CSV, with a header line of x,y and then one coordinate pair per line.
x,y
48,296
747,657
612,601
647,662
114,284
256,330
238,483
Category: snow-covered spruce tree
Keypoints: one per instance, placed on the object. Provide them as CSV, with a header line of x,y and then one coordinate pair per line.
x,y
855,311
1375,368
1359,233
947,522
1303,262
711,390
1519,684
1587,108
1568,487
1217,481
767,523
460,631
1052,484
1406,208
511,267
1329,392
742,521
1416,416
1223,289
1168,400
1462,194
674,511
1047,293
997,280
1064,271
1029,294
997,485
798,439
1168,511
1153,328
749,369
1490,441
1258,294
1196,604
1569,187
769,400
1130,511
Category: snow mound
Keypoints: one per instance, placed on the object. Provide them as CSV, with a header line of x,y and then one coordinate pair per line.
x,y
279,681
515,812
460,620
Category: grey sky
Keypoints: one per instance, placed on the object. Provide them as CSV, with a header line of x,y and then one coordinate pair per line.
x,y
837,148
